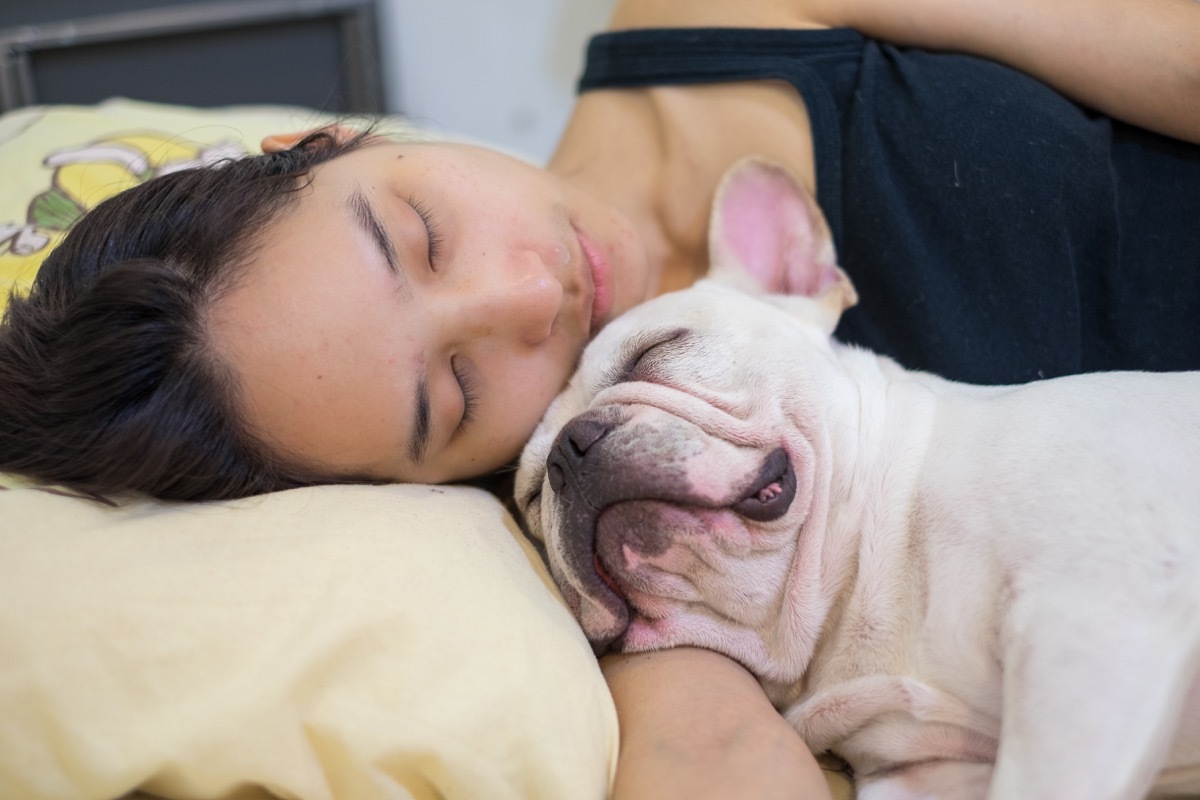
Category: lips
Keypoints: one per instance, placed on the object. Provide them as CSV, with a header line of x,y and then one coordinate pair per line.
x,y
601,274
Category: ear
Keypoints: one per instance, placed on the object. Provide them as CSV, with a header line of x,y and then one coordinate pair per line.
x,y
766,227
277,142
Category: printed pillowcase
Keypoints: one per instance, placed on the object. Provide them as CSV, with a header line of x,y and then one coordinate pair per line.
x,y
57,162
329,642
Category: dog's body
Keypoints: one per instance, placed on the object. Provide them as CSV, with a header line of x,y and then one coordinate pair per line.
x,y
964,591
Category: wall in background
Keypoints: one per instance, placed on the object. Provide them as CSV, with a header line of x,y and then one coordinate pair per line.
x,y
500,71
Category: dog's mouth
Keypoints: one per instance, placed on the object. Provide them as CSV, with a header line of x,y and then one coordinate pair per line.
x,y
602,590
604,576
771,494
595,541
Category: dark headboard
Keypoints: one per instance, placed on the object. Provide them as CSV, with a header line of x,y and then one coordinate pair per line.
x,y
317,53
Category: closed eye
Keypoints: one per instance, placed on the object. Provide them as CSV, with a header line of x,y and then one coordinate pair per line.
x,y
433,235
466,384
529,511
640,350
531,499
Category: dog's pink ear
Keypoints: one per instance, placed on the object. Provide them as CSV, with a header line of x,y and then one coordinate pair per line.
x,y
767,227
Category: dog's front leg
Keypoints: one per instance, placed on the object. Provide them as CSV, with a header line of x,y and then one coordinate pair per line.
x,y
1092,696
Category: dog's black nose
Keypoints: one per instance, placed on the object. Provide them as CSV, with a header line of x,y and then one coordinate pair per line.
x,y
571,447
580,434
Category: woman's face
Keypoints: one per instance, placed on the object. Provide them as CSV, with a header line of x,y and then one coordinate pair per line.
x,y
411,318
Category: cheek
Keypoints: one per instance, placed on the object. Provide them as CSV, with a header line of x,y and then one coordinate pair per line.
x,y
525,392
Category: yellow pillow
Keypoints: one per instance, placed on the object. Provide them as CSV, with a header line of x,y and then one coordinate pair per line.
x,y
57,162
330,642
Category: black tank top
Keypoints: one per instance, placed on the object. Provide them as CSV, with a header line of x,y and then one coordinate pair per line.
x,y
996,232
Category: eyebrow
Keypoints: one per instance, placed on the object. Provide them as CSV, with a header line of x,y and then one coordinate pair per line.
x,y
364,214
418,441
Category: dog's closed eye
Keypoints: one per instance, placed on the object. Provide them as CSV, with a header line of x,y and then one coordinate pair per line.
x,y
643,352
533,497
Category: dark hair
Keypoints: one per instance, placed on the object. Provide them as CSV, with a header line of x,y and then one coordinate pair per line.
x,y
107,380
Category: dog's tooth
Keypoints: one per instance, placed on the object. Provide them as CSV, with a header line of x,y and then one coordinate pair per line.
x,y
769,493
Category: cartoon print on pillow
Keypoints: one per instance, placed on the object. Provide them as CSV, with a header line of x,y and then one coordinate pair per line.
x,y
81,178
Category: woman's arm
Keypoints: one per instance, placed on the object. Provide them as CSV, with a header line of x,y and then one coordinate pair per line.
x,y
696,725
1135,60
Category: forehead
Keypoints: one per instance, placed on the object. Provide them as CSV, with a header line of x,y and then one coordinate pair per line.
x,y
305,329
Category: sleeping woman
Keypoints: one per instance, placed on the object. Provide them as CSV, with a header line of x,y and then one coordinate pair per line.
x,y
1014,189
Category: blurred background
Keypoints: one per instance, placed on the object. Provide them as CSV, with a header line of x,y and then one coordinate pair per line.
x,y
499,71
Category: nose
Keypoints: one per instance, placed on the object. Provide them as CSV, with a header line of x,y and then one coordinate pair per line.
x,y
571,448
517,300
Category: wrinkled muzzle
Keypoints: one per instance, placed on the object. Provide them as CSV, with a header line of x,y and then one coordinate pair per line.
x,y
615,479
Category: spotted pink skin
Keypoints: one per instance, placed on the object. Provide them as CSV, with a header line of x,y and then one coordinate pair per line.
x,y
665,587
698,573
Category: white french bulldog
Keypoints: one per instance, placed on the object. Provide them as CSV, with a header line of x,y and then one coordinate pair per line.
x,y
964,591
